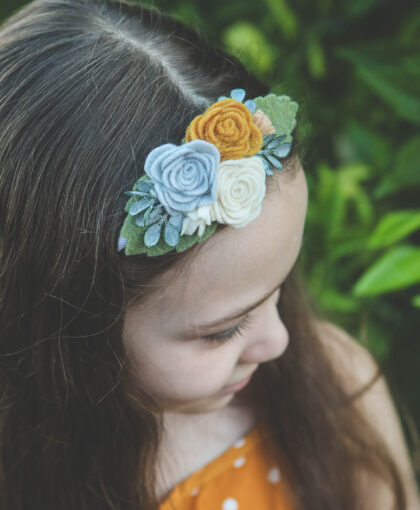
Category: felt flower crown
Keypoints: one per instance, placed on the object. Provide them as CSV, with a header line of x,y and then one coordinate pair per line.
x,y
217,174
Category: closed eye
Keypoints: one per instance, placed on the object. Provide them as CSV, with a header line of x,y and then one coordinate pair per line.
x,y
224,336
229,334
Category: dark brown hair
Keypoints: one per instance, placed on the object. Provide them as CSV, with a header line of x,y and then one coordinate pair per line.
x,y
87,89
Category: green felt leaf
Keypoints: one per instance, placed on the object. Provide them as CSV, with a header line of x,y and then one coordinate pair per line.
x,y
282,112
135,233
135,239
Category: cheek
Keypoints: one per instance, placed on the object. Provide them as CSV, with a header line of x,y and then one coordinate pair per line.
x,y
183,370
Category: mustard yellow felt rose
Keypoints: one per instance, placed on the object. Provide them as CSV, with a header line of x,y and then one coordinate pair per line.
x,y
227,124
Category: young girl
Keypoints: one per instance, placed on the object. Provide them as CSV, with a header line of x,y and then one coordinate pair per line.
x,y
158,349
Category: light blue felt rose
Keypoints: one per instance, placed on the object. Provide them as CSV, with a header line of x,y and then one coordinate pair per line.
x,y
184,176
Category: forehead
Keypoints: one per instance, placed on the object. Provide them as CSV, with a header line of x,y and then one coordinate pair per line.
x,y
236,267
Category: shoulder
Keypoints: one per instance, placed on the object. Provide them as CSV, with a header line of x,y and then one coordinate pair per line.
x,y
362,375
357,365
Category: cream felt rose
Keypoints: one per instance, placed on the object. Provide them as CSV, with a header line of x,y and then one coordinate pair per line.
x,y
197,219
240,191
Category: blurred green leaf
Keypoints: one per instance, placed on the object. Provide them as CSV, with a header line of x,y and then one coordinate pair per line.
x,y
393,227
396,269
336,301
350,247
316,58
250,44
391,71
359,7
416,301
369,145
337,193
283,15
405,171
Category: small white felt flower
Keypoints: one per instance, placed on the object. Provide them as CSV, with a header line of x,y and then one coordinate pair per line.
x,y
240,191
197,218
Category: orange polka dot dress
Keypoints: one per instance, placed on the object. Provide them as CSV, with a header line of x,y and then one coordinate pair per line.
x,y
241,478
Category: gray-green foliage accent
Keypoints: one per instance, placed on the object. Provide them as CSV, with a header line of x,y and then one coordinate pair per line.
x,y
272,150
145,223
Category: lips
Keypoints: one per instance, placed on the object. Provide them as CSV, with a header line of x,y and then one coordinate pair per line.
x,y
237,386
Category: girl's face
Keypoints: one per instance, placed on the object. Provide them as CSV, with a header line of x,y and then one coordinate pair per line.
x,y
174,357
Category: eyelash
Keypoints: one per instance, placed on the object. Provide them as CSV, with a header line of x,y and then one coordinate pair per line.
x,y
223,337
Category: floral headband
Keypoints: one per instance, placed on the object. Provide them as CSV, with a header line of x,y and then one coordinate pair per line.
x,y
217,174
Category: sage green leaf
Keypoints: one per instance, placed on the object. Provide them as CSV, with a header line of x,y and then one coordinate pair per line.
x,y
153,217
397,269
275,162
144,186
283,150
416,301
170,234
393,227
267,167
152,235
154,214
135,193
140,205
282,112
135,239
268,139
140,220
177,221
276,143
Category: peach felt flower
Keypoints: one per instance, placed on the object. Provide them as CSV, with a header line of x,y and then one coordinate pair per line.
x,y
262,121
228,125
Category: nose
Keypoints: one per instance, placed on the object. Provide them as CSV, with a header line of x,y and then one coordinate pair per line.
x,y
270,339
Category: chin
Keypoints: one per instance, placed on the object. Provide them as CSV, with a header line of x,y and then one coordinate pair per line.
x,y
208,405
216,404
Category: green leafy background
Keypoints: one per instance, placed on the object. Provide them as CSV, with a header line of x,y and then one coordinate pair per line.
x,y
354,69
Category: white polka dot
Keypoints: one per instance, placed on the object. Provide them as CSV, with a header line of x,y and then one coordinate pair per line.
x,y
240,461
239,443
194,492
274,475
230,504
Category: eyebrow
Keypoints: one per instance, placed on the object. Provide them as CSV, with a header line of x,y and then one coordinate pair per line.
x,y
205,328
235,315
